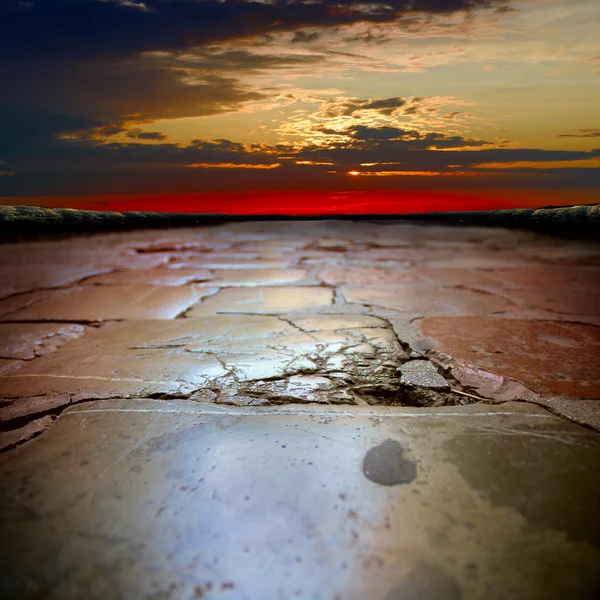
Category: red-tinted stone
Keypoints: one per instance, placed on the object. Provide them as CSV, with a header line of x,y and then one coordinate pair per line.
x,y
559,299
555,358
25,433
455,277
545,275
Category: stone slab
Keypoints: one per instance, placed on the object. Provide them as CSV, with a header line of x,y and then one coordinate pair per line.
x,y
102,303
234,359
17,278
7,364
547,275
160,276
9,439
429,299
359,275
559,299
153,499
551,358
255,277
264,301
235,261
25,341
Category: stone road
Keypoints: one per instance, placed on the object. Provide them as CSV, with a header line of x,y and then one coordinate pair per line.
x,y
300,409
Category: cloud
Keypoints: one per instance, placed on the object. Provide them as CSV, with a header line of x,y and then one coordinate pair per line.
x,y
138,134
90,28
80,165
118,64
582,133
376,137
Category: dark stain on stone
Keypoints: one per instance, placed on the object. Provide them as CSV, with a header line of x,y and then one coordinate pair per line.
x,y
550,477
385,464
426,582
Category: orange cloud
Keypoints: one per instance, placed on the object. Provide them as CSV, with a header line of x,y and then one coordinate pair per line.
x,y
232,166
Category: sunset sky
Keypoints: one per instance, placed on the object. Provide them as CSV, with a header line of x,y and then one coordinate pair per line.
x,y
356,106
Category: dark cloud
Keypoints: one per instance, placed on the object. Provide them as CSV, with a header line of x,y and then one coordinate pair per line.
x,y
112,91
110,65
91,28
391,138
51,165
138,134
346,108
304,37
583,133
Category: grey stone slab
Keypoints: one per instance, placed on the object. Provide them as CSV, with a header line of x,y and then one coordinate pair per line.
x,y
100,303
153,499
580,410
235,359
25,341
264,301
423,373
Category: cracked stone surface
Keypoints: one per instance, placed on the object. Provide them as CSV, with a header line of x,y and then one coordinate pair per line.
x,y
152,277
523,350
147,499
112,302
22,278
236,359
25,341
324,312
256,277
264,301
422,373
300,409
233,261
431,299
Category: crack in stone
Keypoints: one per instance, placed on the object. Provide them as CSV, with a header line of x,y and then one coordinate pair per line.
x,y
292,324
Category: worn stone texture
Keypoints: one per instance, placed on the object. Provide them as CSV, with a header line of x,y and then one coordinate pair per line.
x,y
14,437
422,373
231,261
155,276
256,277
552,358
345,312
429,299
17,278
114,302
147,499
25,341
358,275
264,301
235,359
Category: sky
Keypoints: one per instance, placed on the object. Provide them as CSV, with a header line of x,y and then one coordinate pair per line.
x,y
299,106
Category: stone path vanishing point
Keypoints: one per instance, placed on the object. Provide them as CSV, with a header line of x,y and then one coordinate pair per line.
x,y
300,409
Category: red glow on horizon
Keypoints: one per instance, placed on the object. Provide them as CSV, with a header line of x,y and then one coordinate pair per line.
x,y
315,203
